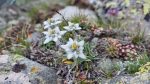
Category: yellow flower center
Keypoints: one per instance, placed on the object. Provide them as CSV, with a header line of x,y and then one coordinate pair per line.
x,y
51,32
74,46
49,20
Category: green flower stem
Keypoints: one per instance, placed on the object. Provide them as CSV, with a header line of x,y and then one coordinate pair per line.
x,y
74,34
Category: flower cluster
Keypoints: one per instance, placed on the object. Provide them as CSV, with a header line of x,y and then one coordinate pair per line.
x,y
125,51
72,27
53,32
51,23
73,48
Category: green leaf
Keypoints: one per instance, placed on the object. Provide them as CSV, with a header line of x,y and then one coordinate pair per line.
x,y
146,8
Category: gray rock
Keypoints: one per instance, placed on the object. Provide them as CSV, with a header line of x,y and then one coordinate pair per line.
x,y
4,59
94,41
139,79
71,11
2,23
12,22
39,74
119,80
35,38
6,2
9,13
14,78
34,73
108,66
5,65
24,18
29,4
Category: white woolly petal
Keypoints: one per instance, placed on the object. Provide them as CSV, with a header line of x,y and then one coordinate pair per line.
x,y
47,36
78,28
81,43
58,36
62,32
45,32
47,40
47,26
63,46
75,54
70,42
81,48
68,50
81,55
45,23
67,28
69,55
55,39
70,24
77,25
58,22
57,29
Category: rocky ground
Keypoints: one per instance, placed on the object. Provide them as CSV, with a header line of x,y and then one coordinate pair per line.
x,y
116,52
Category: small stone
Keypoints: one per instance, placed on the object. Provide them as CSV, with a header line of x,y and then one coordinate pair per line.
x,y
4,59
2,23
70,11
97,32
18,67
132,46
12,22
17,78
123,50
127,46
132,52
12,11
118,45
1,39
94,41
127,50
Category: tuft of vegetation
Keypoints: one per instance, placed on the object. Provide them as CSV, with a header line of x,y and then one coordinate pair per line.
x,y
138,37
109,68
68,35
112,50
88,49
133,66
112,24
33,11
78,18
50,45
145,68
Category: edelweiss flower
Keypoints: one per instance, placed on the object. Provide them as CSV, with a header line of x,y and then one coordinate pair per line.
x,y
74,49
53,34
51,23
92,1
72,27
